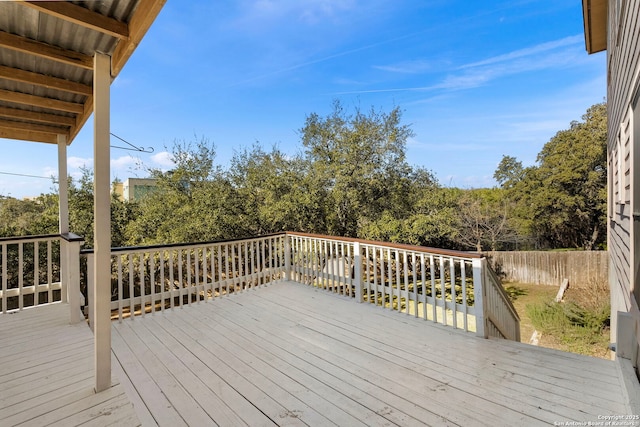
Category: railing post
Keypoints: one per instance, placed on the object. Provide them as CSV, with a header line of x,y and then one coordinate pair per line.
x,y
70,250
287,257
479,264
90,289
357,271
64,270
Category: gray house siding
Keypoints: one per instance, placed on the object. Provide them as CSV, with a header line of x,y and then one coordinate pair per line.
x,y
623,58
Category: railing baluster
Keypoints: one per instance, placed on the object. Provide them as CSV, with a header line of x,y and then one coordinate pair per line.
x,y
152,281
36,273
196,263
4,280
452,274
180,278
423,284
415,284
119,270
143,291
205,281
20,276
390,279
463,280
49,272
189,280
226,268
132,306
264,260
171,279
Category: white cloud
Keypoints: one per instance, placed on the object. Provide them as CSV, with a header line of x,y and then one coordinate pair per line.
x,y
163,159
406,67
529,51
50,171
124,161
78,162
267,12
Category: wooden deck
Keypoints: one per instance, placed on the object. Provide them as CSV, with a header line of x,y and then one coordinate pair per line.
x,y
286,354
46,373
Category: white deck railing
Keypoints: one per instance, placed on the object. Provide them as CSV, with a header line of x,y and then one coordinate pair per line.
x,y
155,278
500,314
448,287
39,270
453,288
30,271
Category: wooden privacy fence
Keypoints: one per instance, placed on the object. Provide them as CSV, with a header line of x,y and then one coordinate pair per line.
x,y
582,268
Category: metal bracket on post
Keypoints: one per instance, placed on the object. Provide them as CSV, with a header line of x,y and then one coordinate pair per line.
x,y
478,265
357,273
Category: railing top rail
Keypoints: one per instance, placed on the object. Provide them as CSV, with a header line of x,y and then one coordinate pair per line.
x,y
181,245
18,239
426,249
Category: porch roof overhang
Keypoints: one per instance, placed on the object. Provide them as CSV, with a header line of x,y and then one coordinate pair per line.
x,y
594,14
46,60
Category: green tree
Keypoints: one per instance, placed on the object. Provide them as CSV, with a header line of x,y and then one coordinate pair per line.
x,y
484,219
359,160
562,200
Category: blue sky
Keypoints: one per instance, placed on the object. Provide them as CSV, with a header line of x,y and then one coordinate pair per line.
x,y
475,79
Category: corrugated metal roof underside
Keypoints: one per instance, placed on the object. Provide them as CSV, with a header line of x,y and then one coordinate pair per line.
x,y
26,72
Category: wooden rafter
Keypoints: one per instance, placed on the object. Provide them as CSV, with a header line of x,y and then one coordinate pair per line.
x,y
38,101
33,116
144,15
43,50
28,135
43,80
81,16
55,130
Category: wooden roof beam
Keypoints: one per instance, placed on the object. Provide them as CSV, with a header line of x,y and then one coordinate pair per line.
x,y
81,16
143,16
28,135
50,82
33,116
38,101
54,130
43,50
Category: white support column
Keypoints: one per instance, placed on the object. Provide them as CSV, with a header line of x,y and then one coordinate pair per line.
x,y
63,213
102,221
63,188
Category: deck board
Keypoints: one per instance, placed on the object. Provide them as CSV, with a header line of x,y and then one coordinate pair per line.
x,y
287,354
46,373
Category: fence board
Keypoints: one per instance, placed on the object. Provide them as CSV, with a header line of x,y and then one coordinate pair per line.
x,y
582,268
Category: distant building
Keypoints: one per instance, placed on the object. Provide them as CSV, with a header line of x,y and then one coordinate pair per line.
x,y
134,188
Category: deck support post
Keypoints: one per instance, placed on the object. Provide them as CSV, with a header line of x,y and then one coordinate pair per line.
x,y
102,221
479,264
69,245
287,257
357,270
63,212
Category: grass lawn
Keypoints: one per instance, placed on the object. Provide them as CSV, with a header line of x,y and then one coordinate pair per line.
x,y
561,335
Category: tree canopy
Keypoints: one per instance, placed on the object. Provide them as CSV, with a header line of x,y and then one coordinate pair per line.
x,y
351,178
